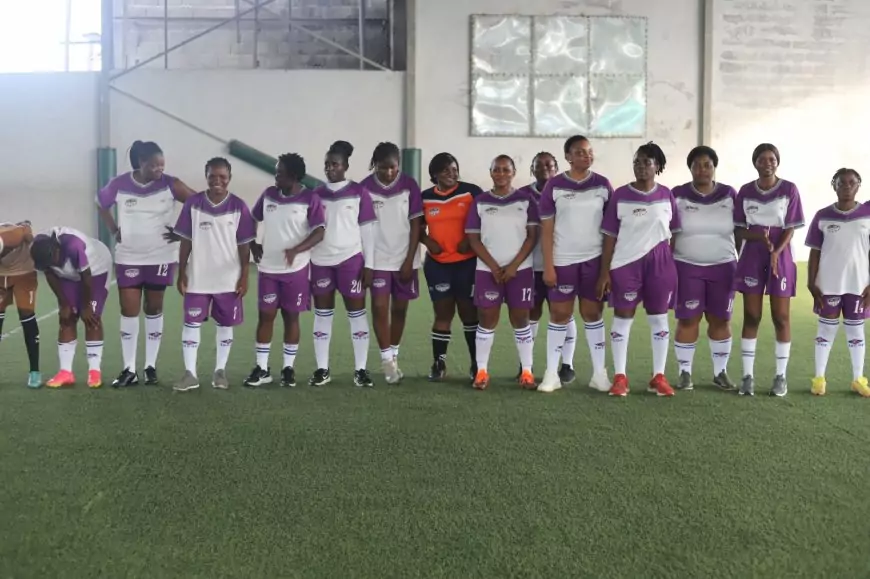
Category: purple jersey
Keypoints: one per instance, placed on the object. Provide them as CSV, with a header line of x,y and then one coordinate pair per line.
x,y
395,206
774,210
144,213
348,207
843,238
640,221
79,253
502,222
287,221
215,233
707,225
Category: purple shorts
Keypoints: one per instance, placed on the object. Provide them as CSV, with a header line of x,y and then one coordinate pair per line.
x,y
540,293
387,283
72,292
754,274
346,277
226,309
291,292
651,279
576,280
705,289
850,306
517,293
137,276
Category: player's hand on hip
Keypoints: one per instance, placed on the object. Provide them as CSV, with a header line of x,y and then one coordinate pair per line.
x,y
181,284
367,275
242,286
550,277
170,236
602,288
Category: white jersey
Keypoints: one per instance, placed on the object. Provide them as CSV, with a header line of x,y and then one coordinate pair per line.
x,y
843,238
144,213
707,222
502,224
578,209
396,206
79,253
287,221
348,208
215,233
639,221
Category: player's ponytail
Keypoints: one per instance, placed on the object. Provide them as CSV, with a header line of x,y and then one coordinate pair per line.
x,y
142,151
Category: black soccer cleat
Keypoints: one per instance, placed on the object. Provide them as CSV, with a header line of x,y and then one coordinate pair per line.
x,y
288,377
566,374
361,379
151,376
125,379
258,377
320,377
438,371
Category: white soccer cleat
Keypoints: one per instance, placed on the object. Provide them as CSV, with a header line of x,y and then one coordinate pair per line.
x,y
391,371
550,383
600,381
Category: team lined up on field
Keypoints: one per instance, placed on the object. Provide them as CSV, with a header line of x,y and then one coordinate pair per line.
x,y
567,237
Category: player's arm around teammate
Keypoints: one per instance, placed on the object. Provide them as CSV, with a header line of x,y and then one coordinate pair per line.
x,y
293,223
502,228
767,212
838,277
18,285
637,264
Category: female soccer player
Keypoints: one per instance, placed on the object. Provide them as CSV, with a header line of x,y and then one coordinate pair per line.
x,y
767,212
342,262
293,222
398,206
18,285
145,259
572,207
450,263
216,230
706,261
839,277
502,231
77,270
637,264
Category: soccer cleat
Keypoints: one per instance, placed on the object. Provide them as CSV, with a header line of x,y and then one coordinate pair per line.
x,y
288,377
747,387
685,381
818,386
860,387
438,371
126,378
61,379
187,382
391,371
320,377
472,372
481,380
95,378
258,377
620,386
660,386
151,376
567,375
219,380
527,380
519,372
550,383
34,380
723,382
779,387
361,379
600,381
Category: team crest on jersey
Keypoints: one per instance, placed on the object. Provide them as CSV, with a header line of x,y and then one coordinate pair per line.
x,y
271,207
378,204
491,210
566,289
833,302
833,228
750,281
434,211
349,207
270,298
491,296
322,283
131,273
130,203
639,212
752,210
205,225
569,196
194,312
442,287
692,208
379,282
630,296
693,304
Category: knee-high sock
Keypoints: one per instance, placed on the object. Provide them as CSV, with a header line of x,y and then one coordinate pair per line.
x,y
322,335
129,341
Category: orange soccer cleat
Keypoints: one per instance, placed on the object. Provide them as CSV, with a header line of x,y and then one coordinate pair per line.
x,y
620,386
659,386
527,380
61,379
95,379
481,380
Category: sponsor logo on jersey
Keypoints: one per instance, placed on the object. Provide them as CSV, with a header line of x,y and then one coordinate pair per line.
x,y
349,207
630,296
194,312
570,196
378,204
491,296
442,287
750,281
379,282
566,289
833,302
205,225
639,212
693,304
491,210
434,211
752,210
322,283
130,203
833,228
692,208
131,273
270,298
271,207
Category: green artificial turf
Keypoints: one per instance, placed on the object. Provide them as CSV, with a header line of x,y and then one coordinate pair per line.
x,y
430,480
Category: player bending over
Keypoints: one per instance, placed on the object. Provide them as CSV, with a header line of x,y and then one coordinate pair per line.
x,y
77,270
293,222
839,277
502,229
216,230
18,284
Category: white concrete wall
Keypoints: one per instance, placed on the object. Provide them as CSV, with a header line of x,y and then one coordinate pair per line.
x,y
48,139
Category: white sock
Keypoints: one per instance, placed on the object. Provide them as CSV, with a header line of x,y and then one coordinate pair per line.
x,y
387,355
395,350
570,342
290,351
783,349
747,347
720,351
525,346
596,341
483,339
190,337
620,331
359,331
129,341
825,336
855,339
224,342
661,339
685,354
555,343
66,353
153,336
322,334
95,354
533,324
263,355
